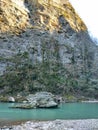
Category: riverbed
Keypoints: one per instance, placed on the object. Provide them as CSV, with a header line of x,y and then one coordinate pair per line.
x,y
89,124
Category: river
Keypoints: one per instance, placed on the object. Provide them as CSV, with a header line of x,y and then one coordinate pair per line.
x,y
65,111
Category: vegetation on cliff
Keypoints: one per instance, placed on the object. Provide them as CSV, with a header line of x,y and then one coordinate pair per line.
x,y
24,75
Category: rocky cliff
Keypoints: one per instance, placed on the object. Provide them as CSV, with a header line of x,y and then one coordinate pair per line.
x,y
15,16
44,45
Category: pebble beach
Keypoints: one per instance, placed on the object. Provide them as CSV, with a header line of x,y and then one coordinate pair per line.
x,y
89,124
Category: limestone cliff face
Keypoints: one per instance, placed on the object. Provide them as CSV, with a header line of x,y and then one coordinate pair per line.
x,y
50,12
46,14
52,49
13,16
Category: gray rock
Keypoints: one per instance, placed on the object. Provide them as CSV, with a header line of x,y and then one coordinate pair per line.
x,y
25,106
50,104
42,100
11,99
38,100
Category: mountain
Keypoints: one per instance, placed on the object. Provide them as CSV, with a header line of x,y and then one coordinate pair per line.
x,y
45,46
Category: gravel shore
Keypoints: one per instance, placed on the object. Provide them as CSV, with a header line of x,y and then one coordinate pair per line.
x,y
89,124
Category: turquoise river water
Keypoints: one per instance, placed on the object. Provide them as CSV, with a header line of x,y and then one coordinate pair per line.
x,y
65,111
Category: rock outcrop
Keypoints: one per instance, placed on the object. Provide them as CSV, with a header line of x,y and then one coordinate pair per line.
x,y
15,16
39,100
11,99
43,100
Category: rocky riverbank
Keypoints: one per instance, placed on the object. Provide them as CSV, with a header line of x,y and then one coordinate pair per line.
x,y
38,100
89,124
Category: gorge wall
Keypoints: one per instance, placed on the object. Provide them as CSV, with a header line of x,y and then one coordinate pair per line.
x,y
44,45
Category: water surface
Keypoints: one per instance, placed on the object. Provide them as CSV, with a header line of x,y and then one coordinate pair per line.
x,y
65,111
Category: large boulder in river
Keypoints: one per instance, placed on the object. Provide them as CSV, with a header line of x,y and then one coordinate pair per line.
x,y
38,100
42,100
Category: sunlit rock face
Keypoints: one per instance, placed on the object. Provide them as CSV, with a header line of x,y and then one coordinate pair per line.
x,y
13,16
48,13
